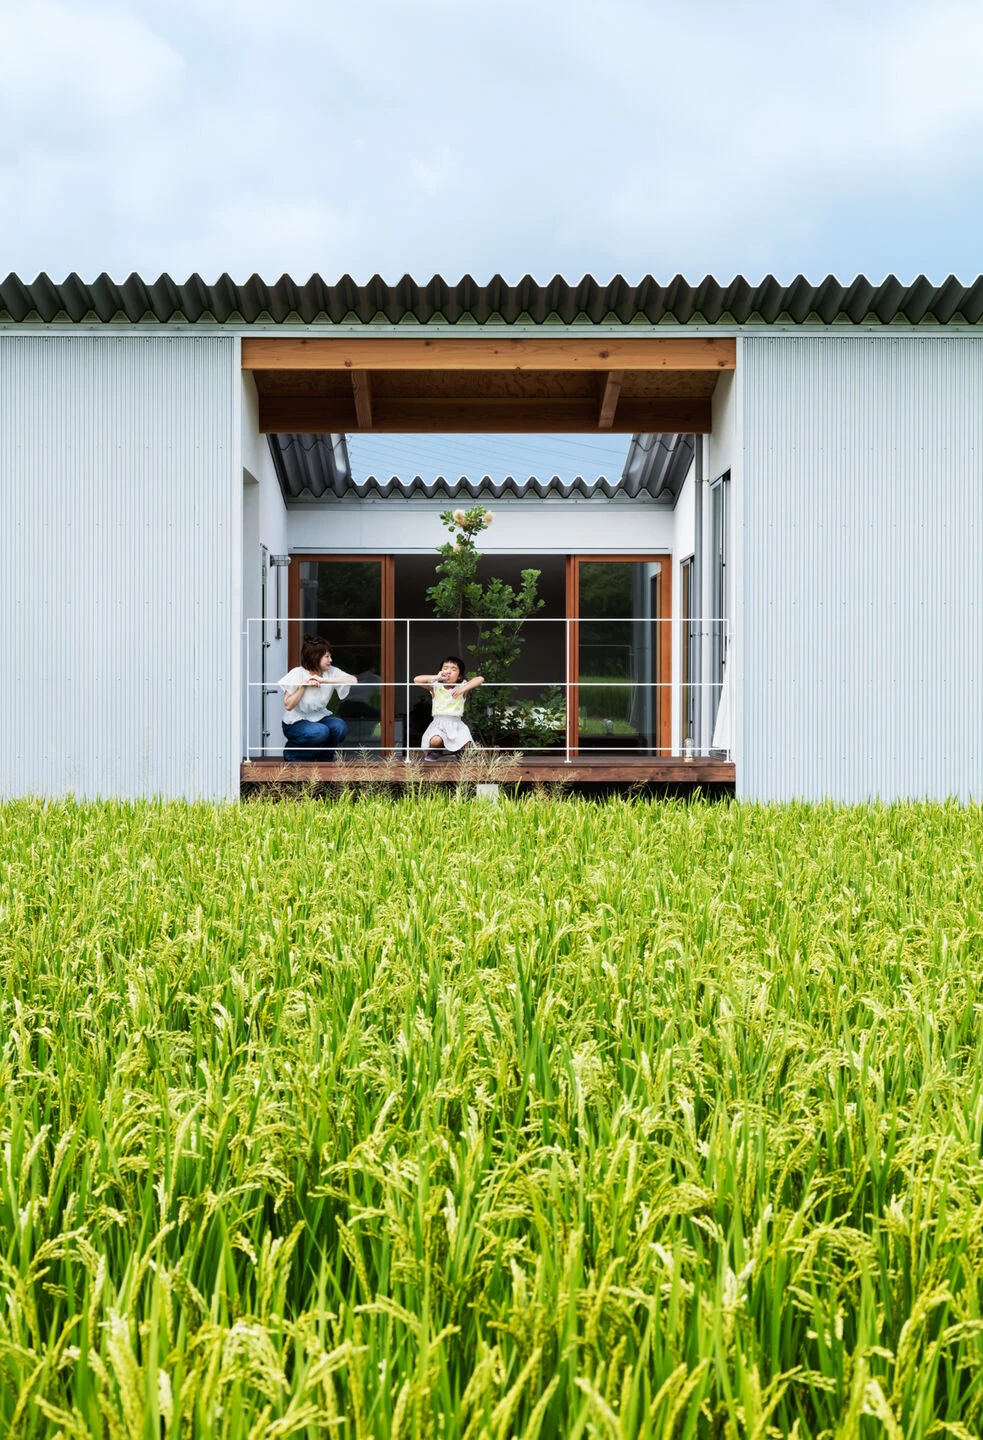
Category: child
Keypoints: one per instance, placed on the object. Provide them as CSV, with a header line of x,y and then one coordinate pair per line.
x,y
447,732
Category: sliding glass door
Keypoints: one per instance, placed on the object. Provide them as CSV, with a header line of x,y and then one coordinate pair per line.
x,y
618,651
349,600
620,654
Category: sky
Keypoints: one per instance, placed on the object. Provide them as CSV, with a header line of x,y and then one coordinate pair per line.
x,y
546,137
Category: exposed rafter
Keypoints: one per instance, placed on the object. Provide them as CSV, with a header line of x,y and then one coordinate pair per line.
x,y
362,389
416,384
609,400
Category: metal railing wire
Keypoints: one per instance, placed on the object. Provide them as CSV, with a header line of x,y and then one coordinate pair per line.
x,y
683,691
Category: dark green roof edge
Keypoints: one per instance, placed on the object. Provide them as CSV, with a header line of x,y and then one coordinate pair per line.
x,y
467,302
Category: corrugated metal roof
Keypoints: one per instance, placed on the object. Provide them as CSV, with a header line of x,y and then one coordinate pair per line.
x,y
657,464
318,465
587,301
486,486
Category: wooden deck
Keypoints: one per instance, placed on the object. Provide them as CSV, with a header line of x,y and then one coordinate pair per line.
x,y
610,772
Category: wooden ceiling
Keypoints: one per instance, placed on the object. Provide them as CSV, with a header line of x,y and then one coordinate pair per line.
x,y
390,384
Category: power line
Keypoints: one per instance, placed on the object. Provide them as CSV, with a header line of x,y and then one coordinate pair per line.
x,y
496,456
535,439
456,443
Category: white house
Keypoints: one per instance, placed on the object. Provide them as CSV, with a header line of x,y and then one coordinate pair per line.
x,y
786,575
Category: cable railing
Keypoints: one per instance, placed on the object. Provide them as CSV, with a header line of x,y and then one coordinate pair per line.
x,y
664,693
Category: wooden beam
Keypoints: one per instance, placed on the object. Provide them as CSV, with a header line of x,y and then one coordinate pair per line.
x,y
609,400
362,389
686,416
315,415
638,352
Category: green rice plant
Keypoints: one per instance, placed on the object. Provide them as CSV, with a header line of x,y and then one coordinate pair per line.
x,y
603,697
538,1119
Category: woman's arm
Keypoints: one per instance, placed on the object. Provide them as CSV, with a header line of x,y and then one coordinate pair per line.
x,y
291,698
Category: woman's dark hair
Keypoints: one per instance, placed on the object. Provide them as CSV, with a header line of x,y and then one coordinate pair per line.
x,y
312,647
455,660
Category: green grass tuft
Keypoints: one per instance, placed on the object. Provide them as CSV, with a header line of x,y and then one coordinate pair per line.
x,y
438,1118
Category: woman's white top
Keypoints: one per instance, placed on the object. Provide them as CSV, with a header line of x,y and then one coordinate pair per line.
x,y
313,704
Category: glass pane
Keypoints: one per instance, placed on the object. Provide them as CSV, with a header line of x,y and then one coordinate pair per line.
x,y
687,654
719,519
619,701
342,600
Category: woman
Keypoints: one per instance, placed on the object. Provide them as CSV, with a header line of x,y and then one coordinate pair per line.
x,y
308,725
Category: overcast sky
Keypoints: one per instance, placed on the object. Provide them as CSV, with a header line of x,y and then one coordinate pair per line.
x,y
549,136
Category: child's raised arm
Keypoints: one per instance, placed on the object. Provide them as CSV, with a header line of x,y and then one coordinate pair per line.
x,y
425,680
471,684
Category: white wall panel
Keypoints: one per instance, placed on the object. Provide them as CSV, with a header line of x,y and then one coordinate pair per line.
x,y
722,442
264,534
557,526
120,475
861,582
684,517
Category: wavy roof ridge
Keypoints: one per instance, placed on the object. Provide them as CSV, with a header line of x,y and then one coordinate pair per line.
x,y
467,301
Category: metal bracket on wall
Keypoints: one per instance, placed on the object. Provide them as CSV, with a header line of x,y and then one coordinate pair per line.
x,y
278,562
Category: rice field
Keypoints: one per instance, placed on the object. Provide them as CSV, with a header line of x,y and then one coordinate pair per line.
x,y
441,1118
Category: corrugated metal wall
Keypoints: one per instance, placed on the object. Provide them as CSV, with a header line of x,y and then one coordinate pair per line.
x,y
860,618
121,487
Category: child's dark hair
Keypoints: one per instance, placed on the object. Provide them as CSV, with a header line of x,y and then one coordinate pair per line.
x,y
462,674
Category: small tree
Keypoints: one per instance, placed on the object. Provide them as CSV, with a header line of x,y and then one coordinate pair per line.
x,y
495,715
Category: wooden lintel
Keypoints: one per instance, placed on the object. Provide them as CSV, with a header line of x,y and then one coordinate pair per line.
x,y
314,415
609,400
637,352
362,389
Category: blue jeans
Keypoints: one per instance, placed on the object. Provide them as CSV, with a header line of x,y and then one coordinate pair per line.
x,y
309,739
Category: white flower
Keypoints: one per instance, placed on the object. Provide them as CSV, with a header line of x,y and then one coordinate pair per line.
x,y
488,517
458,517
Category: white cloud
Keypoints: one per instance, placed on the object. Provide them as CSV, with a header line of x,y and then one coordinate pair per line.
x,y
258,234
82,65
574,136
434,175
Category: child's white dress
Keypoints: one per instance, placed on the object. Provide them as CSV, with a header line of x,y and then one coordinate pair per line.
x,y
447,722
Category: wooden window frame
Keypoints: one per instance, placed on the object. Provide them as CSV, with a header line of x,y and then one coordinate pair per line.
x,y
664,560
687,568
388,638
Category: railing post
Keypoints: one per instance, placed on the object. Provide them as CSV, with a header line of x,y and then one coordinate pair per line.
x,y
699,648
249,758
566,686
406,718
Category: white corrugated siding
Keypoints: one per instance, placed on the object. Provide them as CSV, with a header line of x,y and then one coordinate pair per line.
x,y
861,613
120,501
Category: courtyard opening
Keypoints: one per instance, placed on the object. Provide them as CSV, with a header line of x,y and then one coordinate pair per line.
x,y
603,661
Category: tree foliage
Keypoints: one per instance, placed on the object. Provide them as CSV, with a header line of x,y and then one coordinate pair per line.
x,y
496,715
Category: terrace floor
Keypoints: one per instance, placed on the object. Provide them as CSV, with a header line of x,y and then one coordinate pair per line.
x,y
582,772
